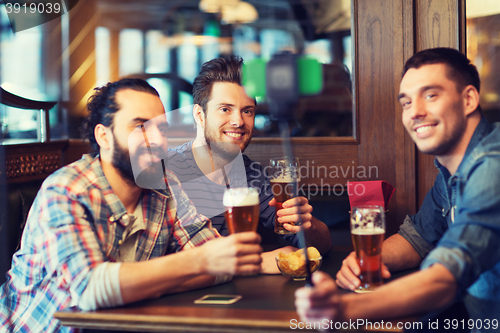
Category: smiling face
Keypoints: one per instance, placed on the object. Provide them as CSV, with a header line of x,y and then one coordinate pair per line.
x,y
229,117
141,117
434,111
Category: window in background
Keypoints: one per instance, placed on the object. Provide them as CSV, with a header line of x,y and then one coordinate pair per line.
x,y
483,48
20,74
246,42
163,88
188,55
191,34
131,52
157,53
102,40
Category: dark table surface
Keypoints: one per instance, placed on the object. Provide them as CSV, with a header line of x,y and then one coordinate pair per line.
x,y
267,305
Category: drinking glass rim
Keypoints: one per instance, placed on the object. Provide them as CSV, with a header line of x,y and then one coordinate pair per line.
x,y
283,157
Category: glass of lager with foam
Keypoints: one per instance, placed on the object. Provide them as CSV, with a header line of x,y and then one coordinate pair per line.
x,y
285,178
242,209
367,234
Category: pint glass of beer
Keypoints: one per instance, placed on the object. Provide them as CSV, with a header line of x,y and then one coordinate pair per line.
x,y
367,233
285,178
242,209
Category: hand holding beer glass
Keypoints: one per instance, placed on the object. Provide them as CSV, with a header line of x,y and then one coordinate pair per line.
x,y
285,178
367,234
242,213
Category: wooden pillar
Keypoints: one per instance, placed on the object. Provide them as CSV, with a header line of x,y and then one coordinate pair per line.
x,y
380,33
114,55
438,23
81,52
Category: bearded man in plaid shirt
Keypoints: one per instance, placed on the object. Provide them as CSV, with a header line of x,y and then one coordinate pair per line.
x,y
98,236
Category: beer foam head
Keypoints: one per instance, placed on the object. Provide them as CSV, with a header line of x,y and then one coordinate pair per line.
x,y
284,179
368,231
242,196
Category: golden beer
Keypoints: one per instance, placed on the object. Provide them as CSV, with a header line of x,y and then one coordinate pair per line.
x,y
367,234
368,246
283,189
242,212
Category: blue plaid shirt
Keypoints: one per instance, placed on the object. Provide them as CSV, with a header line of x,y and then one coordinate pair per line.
x,y
76,223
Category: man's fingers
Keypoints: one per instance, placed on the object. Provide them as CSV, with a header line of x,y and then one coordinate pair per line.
x,y
297,201
320,277
351,262
248,249
251,259
248,269
295,210
319,302
294,227
347,276
295,218
386,274
344,283
245,237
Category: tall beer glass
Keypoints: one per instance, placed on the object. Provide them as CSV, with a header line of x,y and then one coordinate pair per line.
x,y
367,233
242,213
285,178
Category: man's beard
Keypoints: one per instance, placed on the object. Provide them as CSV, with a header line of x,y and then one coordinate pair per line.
x,y
450,140
151,177
225,151
121,161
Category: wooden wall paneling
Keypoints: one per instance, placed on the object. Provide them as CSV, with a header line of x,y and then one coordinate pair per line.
x,y
405,149
114,55
51,72
76,148
34,161
82,24
51,59
329,165
439,23
380,52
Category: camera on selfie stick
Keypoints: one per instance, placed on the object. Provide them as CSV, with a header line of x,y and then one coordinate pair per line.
x,y
282,80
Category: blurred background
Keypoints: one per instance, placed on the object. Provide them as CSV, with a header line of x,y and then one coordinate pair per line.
x,y
166,42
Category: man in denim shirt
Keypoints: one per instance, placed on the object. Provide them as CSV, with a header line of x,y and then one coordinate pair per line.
x,y
455,235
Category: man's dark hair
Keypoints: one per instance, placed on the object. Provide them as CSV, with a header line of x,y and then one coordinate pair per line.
x,y
459,69
226,69
102,105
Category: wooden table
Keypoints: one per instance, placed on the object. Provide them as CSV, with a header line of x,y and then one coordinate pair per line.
x,y
267,305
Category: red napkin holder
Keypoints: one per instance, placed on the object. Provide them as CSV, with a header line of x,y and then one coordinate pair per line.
x,y
376,192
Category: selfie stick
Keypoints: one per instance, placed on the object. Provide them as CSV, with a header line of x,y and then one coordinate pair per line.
x,y
287,151
288,76
282,80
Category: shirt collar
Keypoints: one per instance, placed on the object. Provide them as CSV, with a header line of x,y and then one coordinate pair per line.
x,y
482,130
113,202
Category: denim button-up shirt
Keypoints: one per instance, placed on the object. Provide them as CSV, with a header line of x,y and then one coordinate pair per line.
x,y
458,224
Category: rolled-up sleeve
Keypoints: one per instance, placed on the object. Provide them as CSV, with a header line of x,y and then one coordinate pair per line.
x,y
466,251
424,229
408,231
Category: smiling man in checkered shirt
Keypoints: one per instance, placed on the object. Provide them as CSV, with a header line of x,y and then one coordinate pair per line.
x,y
94,238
